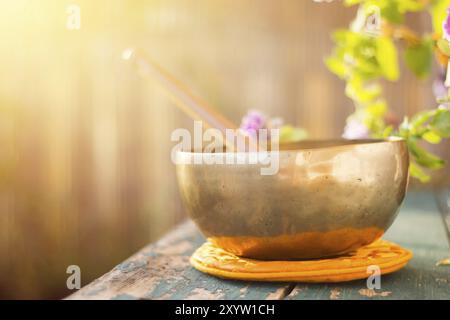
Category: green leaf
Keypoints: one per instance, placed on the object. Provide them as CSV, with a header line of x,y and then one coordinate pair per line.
x,y
419,58
291,134
444,46
357,90
386,55
422,117
431,137
390,11
387,132
404,128
351,2
410,5
416,172
424,157
337,66
346,38
377,109
439,13
441,123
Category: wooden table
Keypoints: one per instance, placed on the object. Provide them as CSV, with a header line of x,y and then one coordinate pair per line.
x,y
162,271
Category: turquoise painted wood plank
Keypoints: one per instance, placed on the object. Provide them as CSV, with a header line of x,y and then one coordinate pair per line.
x,y
162,271
419,228
443,202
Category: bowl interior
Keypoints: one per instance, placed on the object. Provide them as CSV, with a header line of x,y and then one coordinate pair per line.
x,y
307,144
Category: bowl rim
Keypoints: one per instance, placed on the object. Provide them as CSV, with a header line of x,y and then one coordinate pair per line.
x,y
340,143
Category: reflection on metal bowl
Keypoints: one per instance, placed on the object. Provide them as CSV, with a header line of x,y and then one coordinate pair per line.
x,y
328,198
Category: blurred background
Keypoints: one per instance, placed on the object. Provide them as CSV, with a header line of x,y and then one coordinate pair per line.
x,y
85,170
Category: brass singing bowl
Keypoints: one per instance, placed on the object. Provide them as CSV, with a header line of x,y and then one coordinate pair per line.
x,y
328,198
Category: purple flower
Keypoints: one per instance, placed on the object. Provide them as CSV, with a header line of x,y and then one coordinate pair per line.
x,y
446,25
355,130
253,120
439,89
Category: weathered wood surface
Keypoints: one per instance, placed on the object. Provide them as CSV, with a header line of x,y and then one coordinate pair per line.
x,y
162,270
419,228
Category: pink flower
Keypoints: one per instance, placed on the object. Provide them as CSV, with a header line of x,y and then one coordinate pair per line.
x,y
446,25
354,129
253,120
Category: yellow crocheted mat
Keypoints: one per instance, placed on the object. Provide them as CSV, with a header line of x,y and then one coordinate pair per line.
x,y
388,256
